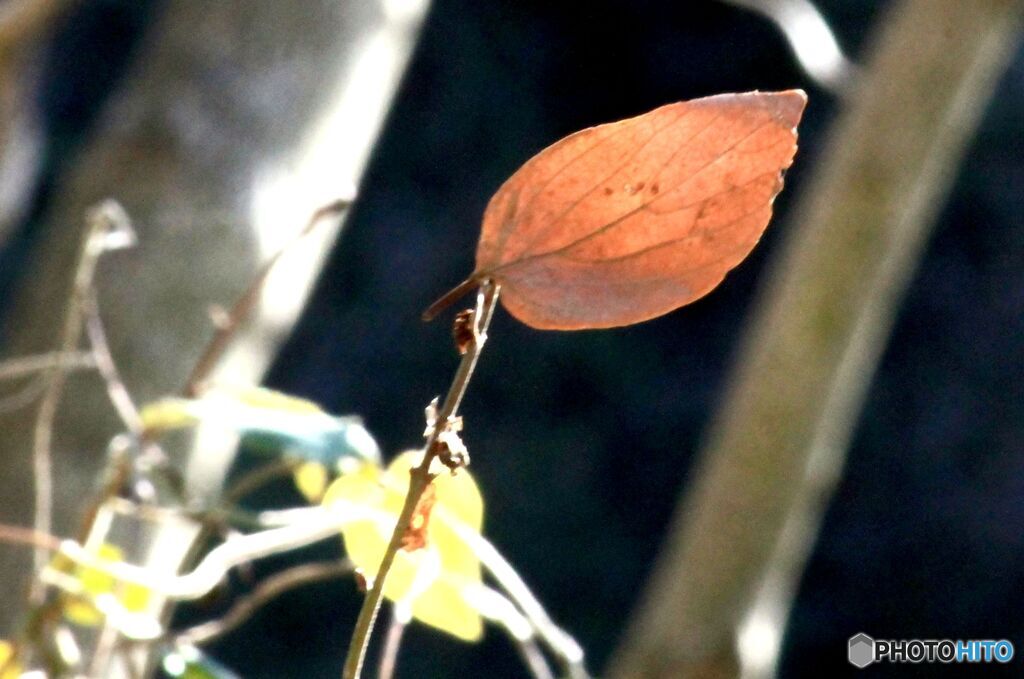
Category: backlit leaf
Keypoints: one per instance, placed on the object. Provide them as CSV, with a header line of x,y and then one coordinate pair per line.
x,y
627,221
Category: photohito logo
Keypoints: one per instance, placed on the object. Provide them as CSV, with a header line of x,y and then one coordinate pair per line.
x,y
862,650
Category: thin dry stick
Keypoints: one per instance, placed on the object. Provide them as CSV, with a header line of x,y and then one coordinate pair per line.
x,y
18,535
244,305
392,642
267,590
257,478
23,366
420,478
102,219
118,393
219,343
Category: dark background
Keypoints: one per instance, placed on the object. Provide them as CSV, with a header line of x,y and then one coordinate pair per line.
x,y
583,441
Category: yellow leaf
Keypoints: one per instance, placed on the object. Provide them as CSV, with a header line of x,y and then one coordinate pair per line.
x,y
311,480
436,598
80,610
167,414
177,413
9,666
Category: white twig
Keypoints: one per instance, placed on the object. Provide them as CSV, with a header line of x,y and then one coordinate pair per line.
x,y
533,657
810,37
316,524
497,608
557,639
392,642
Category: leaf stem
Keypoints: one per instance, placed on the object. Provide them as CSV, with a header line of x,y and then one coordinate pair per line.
x,y
449,298
420,477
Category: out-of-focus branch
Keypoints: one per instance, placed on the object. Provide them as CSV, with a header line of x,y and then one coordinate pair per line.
x,y
25,25
243,306
105,219
268,590
16,368
775,452
809,36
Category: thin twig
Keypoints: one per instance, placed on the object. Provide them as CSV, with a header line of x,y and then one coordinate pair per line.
x,y
106,646
102,219
419,478
27,536
317,524
124,652
267,590
23,366
244,305
533,657
217,345
392,642
255,479
118,393
558,640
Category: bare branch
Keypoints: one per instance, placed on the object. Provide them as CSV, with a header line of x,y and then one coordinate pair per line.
x,y
118,393
420,477
24,366
229,324
106,221
267,590
392,642
27,536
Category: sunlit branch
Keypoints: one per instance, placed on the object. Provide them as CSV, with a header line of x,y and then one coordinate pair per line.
x,y
420,477
557,639
317,524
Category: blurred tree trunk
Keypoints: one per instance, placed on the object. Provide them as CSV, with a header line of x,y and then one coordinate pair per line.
x,y
25,25
238,120
776,449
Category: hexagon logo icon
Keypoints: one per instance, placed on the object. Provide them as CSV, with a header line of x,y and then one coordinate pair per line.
x,y
861,652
